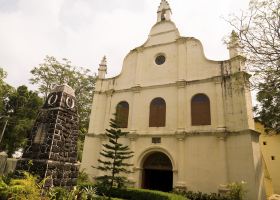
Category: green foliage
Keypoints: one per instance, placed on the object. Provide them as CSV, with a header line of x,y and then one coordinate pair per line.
x,y
19,108
27,187
5,90
3,74
3,189
235,192
83,178
114,154
269,102
59,193
140,194
87,192
52,72
201,196
21,188
82,192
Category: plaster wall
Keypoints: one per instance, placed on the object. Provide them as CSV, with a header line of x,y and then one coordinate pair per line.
x,y
270,147
203,157
206,163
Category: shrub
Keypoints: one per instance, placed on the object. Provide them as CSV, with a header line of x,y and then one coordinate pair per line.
x,y
20,188
141,194
83,177
202,196
58,193
82,192
26,186
235,192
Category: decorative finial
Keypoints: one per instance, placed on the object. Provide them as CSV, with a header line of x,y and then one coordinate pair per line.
x,y
234,38
103,61
234,45
164,11
102,70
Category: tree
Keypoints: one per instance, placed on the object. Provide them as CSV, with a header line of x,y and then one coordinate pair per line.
x,y
52,72
259,33
3,75
269,98
5,89
113,164
20,110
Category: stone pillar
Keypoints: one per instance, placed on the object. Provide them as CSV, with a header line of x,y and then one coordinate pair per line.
x,y
109,111
51,149
181,106
223,159
220,106
134,108
181,184
132,137
97,123
103,141
181,85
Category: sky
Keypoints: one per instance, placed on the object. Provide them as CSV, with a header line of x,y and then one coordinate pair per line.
x,y
83,31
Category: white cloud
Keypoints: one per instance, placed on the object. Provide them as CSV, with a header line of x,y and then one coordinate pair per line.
x,y
84,30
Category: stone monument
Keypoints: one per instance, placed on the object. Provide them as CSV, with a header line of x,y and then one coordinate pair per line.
x,y
51,149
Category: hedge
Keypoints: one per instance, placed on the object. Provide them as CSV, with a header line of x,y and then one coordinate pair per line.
x,y
141,194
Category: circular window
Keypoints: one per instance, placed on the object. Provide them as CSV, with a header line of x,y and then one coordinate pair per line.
x,y
160,59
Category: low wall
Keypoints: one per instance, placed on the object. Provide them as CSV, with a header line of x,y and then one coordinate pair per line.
x,y
7,164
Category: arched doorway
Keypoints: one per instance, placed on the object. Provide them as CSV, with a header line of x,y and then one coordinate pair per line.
x,y
157,172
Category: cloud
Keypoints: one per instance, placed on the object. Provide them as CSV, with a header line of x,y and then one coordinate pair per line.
x,y
26,35
8,5
85,30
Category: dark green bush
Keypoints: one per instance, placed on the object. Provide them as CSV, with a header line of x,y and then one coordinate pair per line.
x,y
235,192
142,194
202,196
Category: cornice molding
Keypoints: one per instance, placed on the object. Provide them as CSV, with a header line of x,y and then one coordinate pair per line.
x,y
180,134
179,83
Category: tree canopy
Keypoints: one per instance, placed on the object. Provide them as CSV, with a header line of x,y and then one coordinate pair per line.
x,y
258,29
19,109
4,91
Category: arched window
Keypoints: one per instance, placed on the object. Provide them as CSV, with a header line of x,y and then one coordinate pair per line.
x,y
122,111
157,113
200,110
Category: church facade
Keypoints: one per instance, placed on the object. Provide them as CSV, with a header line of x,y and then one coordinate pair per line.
x,y
189,119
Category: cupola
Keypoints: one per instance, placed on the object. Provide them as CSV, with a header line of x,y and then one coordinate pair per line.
x,y
164,11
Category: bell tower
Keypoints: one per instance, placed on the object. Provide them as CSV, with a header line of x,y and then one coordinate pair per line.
x,y
164,11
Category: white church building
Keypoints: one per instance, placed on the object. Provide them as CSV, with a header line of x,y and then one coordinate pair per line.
x,y
189,119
